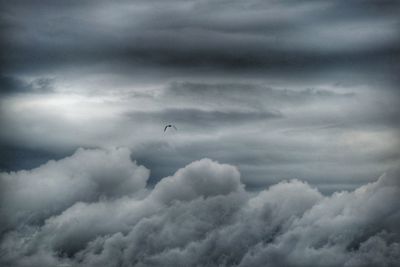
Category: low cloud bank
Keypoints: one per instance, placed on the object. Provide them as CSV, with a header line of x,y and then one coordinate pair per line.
x,y
94,209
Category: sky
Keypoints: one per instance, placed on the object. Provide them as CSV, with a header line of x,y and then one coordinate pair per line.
x,y
287,145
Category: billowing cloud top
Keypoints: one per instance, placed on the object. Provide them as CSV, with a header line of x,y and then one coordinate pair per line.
x,y
93,209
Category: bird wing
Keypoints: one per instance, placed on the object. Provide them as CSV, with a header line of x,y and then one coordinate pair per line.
x,y
174,127
165,128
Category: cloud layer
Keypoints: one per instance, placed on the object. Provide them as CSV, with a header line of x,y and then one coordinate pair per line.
x,y
94,209
302,89
190,36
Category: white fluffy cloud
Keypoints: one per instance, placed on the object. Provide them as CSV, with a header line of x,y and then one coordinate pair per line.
x,y
93,209
200,178
86,176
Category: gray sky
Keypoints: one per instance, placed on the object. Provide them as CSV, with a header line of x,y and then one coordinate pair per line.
x,y
287,148
281,89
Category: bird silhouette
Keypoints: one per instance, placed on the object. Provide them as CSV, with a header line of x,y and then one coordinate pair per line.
x,y
169,126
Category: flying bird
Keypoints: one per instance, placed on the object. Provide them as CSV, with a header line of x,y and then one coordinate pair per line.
x,y
168,126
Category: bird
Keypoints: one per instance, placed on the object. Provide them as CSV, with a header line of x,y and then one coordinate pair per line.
x,y
168,126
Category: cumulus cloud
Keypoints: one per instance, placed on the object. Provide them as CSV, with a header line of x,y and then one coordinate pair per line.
x,y
88,175
94,209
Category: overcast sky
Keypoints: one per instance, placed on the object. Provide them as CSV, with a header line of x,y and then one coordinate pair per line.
x,y
280,90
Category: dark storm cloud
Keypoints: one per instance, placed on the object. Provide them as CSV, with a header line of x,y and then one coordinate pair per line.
x,y
205,36
12,85
100,214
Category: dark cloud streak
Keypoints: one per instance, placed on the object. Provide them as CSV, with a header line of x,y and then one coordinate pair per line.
x,y
200,37
12,85
201,118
